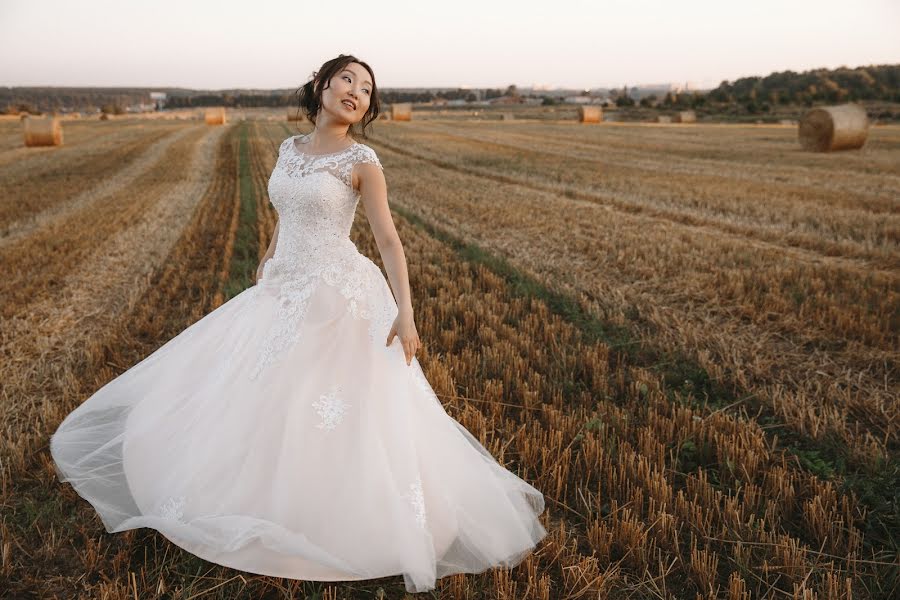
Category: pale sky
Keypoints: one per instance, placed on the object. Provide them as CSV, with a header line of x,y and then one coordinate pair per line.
x,y
207,44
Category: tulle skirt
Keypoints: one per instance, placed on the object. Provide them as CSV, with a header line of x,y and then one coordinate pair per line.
x,y
279,435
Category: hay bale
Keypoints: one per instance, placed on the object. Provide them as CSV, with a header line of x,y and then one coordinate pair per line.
x,y
214,115
507,116
685,116
663,119
42,132
401,111
828,128
791,122
589,113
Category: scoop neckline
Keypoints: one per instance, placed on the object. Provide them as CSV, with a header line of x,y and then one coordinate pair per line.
x,y
298,151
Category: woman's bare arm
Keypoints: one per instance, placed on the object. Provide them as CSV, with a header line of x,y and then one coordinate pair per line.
x,y
373,192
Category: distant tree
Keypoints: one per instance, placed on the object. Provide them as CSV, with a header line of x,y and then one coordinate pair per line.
x,y
112,108
872,82
648,101
26,107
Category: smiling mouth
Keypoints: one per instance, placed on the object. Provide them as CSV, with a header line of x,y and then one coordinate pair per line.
x,y
348,104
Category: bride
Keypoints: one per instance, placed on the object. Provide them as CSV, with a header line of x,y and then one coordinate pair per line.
x,y
291,432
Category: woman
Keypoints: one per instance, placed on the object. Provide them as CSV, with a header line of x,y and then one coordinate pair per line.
x,y
291,431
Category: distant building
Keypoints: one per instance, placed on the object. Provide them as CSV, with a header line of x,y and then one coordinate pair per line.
x,y
159,100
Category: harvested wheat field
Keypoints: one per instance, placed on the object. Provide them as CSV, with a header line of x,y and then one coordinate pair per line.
x,y
685,336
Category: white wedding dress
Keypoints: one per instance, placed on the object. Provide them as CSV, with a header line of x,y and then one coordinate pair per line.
x,y
280,435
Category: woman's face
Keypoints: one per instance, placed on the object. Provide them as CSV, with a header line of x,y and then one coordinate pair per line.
x,y
348,93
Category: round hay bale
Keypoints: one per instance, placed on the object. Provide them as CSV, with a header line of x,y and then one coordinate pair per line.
x,y
590,114
828,128
506,116
42,132
663,119
401,111
685,116
214,115
105,116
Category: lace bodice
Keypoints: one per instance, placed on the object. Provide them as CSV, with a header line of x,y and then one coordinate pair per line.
x,y
316,203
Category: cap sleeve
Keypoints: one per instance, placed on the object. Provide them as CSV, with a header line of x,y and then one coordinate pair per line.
x,y
284,145
368,156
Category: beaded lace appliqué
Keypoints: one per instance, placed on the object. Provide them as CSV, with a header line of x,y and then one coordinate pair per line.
x,y
417,499
331,407
354,283
292,303
173,508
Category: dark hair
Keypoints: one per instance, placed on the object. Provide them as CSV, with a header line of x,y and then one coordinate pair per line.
x,y
310,93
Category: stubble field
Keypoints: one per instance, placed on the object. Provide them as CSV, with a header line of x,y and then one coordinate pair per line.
x,y
684,335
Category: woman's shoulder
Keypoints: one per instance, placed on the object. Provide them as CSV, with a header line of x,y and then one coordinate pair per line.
x,y
367,154
286,142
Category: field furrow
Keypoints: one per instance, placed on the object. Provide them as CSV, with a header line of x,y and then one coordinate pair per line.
x,y
819,335
41,264
32,185
110,182
719,203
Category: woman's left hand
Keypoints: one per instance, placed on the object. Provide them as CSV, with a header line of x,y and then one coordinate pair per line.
x,y
405,328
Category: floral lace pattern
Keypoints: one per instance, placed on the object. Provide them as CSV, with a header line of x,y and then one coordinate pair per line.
x,y
173,508
340,164
331,407
292,303
355,282
417,500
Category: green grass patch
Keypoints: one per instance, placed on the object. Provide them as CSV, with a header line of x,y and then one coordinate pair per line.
x,y
245,254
